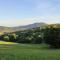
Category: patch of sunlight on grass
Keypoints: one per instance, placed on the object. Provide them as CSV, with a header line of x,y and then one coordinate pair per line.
x,y
3,42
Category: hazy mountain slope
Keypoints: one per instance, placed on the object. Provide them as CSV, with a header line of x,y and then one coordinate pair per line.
x,y
30,26
12,29
18,28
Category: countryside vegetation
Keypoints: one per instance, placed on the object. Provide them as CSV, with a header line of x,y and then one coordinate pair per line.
x,y
32,44
50,35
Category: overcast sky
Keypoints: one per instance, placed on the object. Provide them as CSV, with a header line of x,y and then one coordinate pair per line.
x,y
23,12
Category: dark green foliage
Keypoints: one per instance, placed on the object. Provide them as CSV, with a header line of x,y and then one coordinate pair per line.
x,y
13,37
26,36
6,38
52,36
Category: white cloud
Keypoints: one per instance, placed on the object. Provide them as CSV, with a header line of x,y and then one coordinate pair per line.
x,y
26,21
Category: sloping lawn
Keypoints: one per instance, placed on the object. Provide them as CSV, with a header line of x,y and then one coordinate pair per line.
x,y
28,52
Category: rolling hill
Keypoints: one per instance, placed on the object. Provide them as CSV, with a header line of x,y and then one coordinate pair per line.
x,y
30,26
4,29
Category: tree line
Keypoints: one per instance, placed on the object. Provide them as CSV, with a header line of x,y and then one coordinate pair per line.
x,y
26,36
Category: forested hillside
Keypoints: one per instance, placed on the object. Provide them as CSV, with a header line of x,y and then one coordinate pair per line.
x,y
50,35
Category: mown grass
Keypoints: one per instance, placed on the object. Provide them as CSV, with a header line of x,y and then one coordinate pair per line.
x,y
28,52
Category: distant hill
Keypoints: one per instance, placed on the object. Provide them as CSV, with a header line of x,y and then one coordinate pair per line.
x,y
4,29
30,26
55,25
18,28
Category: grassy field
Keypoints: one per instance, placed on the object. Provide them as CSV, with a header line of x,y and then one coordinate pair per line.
x,y
28,52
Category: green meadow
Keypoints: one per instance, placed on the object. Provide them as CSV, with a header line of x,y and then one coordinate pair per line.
x,y
28,52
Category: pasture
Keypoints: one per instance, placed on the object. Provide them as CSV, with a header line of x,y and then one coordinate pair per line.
x,y
28,52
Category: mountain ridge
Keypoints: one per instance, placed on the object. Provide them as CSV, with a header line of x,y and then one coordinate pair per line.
x,y
4,29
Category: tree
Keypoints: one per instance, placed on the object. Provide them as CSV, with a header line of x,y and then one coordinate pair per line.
x,y
6,38
52,36
13,37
